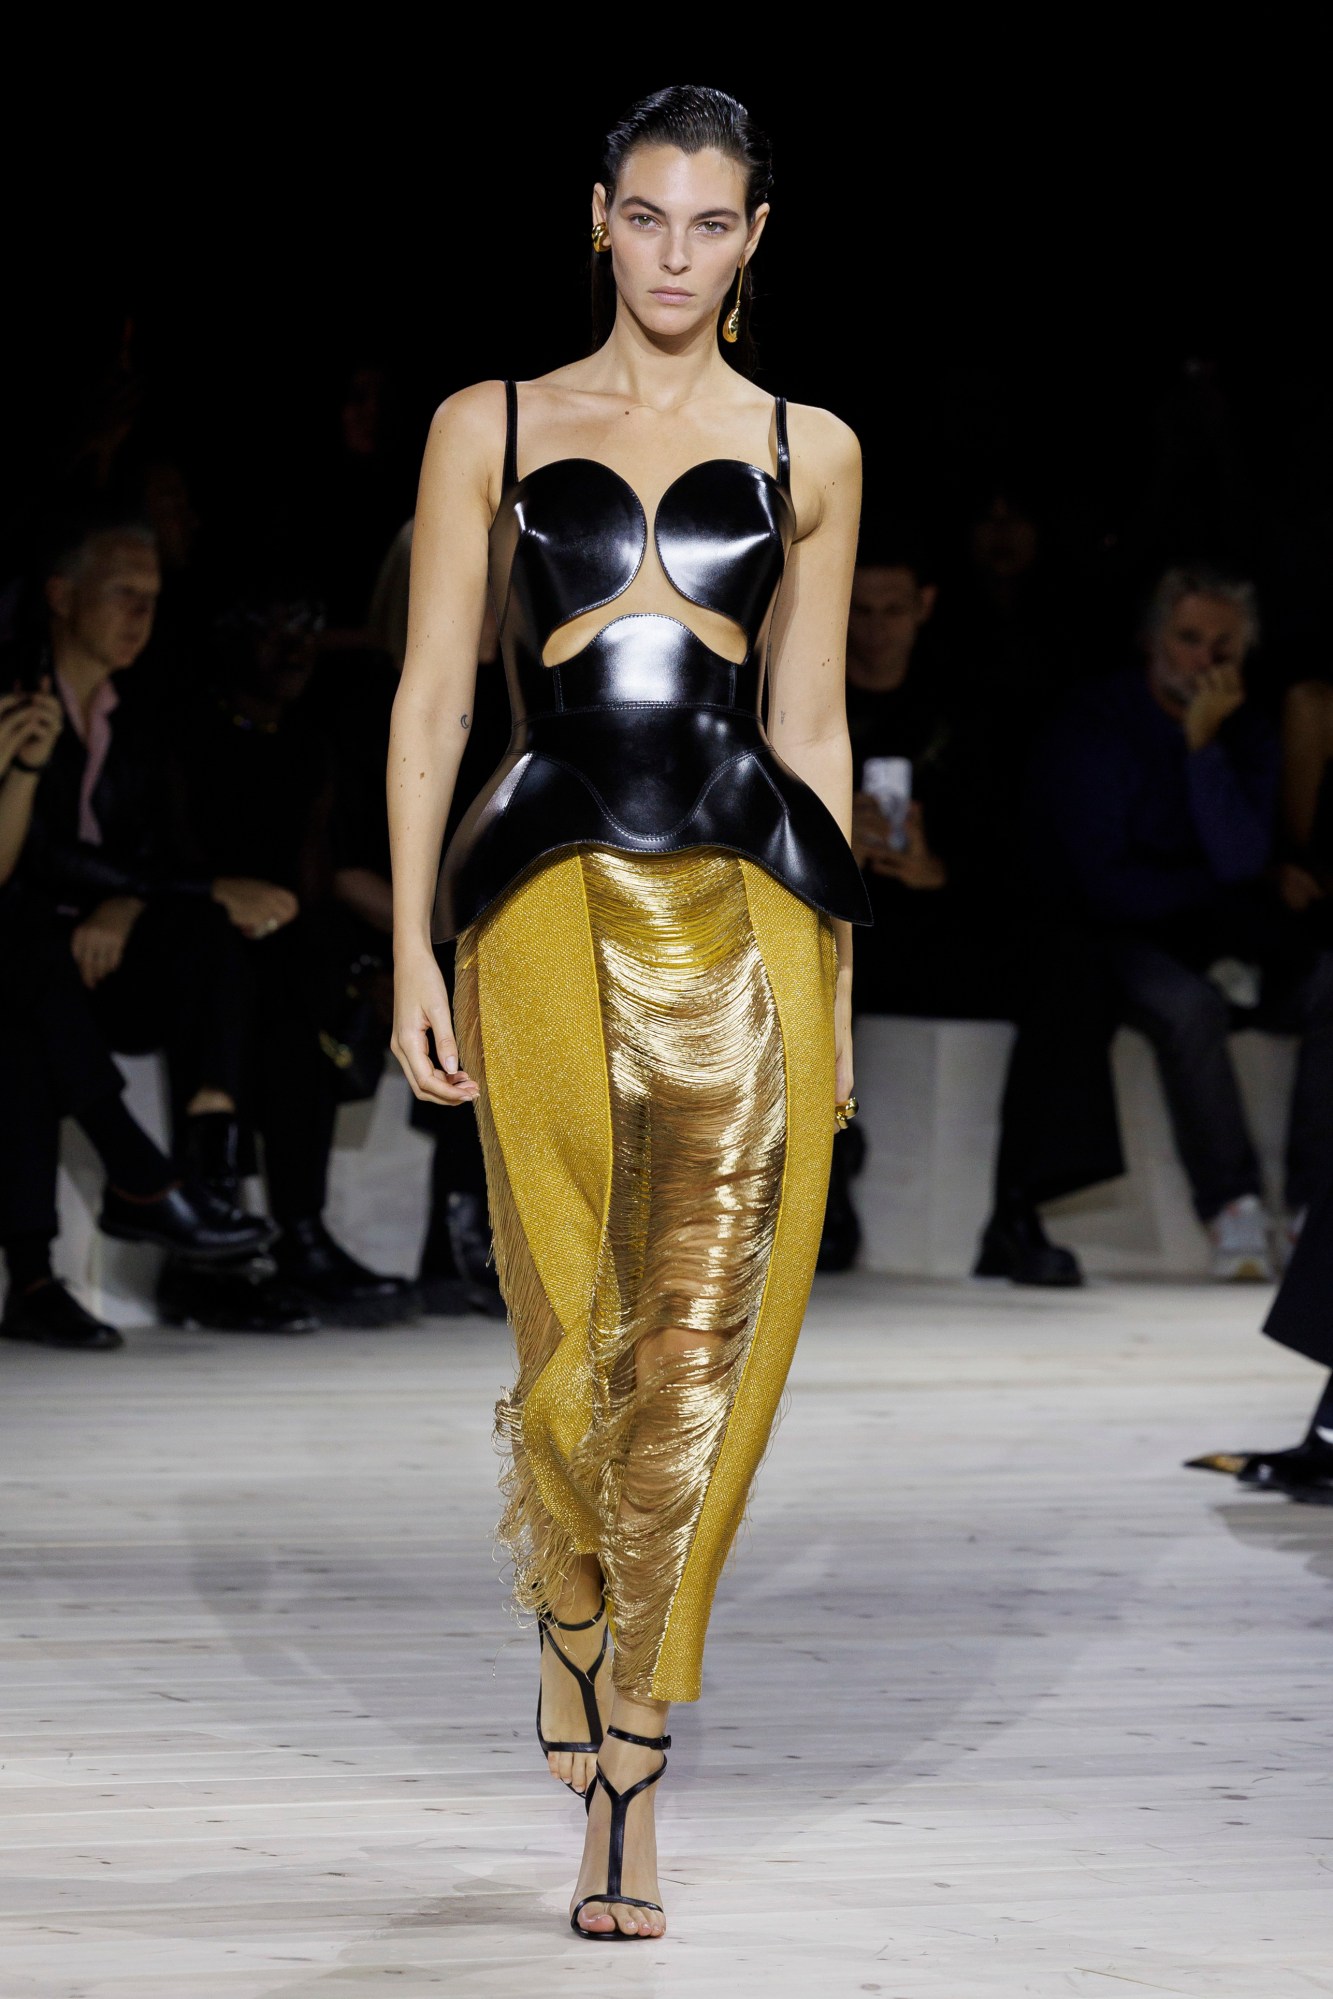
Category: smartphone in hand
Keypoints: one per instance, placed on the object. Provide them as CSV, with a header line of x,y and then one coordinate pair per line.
x,y
888,780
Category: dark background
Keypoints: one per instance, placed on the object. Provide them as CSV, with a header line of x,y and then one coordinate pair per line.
x,y
1093,272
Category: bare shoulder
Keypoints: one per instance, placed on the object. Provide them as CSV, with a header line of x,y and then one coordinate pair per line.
x,y
465,449
471,418
827,448
1311,700
1307,716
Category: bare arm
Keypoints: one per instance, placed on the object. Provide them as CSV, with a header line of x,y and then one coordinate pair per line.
x,y
433,712
807,704
1307,746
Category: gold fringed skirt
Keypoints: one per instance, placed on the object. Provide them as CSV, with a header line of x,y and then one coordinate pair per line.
x,y
653,1036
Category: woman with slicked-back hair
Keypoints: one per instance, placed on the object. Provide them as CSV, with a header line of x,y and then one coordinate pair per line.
x,y
653,899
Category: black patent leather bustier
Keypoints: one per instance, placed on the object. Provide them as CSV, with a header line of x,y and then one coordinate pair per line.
x,y
646,740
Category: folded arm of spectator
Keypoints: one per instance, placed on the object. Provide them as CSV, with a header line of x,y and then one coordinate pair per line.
x,y
1084,792
140,855
76,874
1233,785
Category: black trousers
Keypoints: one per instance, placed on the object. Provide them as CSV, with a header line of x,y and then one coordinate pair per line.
x,y
457,1166
233,1015
943,956
290,1094
184,986
240,1015
54,1062
1164,992
1301,1316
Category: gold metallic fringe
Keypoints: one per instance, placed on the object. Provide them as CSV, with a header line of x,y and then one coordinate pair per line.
x,y
694,1060
635,1127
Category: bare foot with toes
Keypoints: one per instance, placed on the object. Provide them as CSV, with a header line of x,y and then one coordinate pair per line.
x,y
563,1715
624,1765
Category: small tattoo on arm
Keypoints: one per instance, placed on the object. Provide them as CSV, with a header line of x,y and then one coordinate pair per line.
x,y
463,720
782,715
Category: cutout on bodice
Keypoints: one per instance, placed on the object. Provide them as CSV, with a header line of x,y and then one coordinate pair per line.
x,y
577,538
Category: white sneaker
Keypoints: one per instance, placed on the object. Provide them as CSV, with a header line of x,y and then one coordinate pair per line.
x,y
1240,1238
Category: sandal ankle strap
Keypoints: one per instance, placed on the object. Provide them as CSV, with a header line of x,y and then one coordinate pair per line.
x,y
546,1617
662,1742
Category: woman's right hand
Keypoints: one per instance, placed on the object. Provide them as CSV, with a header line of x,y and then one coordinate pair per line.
x,y
420,1009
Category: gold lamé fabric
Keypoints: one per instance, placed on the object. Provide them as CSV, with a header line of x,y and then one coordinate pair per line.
x,y
653,1036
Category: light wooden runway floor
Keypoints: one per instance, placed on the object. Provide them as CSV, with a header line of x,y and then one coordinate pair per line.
x,y
999,1700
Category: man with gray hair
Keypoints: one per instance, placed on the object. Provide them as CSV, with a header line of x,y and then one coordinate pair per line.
x,y
1155,796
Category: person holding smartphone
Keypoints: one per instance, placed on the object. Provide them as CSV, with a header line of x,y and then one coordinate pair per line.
x,y
54,1063
952,937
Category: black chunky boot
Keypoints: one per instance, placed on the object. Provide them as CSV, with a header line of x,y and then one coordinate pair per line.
x,y
46,1314
340,1290
231,1298
840,1240
186,1218
1015,1245
210,1153
469,1224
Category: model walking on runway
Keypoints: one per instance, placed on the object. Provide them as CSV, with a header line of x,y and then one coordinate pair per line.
x,y
652,899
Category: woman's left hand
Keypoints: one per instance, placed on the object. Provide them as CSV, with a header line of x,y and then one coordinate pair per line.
x,y
842,1037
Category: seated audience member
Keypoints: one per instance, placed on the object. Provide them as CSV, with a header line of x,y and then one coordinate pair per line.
x,y
1006,613
54,1063
252,770
1153,817
952,936
456,1274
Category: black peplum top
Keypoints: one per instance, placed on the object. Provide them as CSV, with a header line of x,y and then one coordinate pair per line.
x,y
646,740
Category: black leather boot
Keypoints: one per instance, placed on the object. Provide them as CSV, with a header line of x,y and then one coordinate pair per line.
x,y
469,1224
47,1315
210,1154
341,1290
1015,1245
232,1298
187,1219
840,1239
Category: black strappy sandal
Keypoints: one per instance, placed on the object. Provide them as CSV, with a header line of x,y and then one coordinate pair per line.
x,y
586,1677
615,1859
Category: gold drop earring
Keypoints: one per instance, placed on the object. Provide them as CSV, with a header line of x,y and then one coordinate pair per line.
x,y
731,325
599,241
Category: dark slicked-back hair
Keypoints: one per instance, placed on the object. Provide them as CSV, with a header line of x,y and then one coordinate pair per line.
x,y
692,117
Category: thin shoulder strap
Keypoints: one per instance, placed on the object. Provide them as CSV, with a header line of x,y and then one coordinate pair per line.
x,y
511,436
784,449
